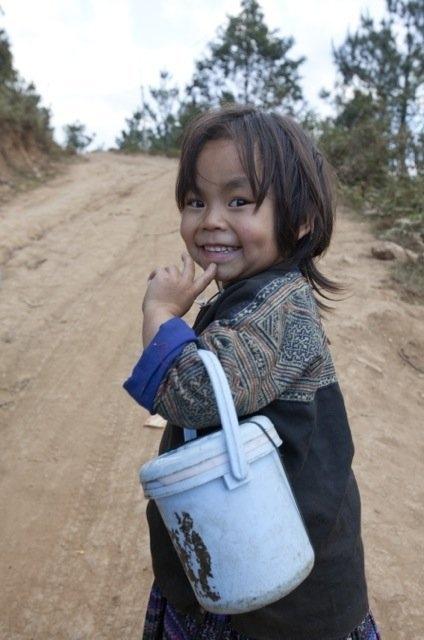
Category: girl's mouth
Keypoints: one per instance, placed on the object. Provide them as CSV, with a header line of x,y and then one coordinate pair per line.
x,y
219,253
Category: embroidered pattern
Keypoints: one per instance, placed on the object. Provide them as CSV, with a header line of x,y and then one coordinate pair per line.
x,y
272,347
164,622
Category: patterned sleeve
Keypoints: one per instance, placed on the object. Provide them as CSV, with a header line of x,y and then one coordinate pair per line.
x,y
269,350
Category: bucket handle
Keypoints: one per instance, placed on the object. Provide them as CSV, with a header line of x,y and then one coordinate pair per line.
x,y
227,413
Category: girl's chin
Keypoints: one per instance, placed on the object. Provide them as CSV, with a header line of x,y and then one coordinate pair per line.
x,y
227,269
225,274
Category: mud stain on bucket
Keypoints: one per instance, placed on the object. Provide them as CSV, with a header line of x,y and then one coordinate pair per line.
x,y
194,556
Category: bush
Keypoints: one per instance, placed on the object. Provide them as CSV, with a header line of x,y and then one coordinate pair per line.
x,y
76,138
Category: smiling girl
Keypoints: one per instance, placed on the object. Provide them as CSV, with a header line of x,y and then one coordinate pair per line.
x,y
256,211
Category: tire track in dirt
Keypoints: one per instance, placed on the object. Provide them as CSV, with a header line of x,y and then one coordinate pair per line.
x,y
68,439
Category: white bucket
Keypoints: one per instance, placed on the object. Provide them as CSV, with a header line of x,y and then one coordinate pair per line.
x,y
229,509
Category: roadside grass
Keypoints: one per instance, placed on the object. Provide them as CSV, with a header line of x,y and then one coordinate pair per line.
x,y
409,281
396,214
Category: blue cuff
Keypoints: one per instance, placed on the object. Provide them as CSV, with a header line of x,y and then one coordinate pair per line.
x,y
156,359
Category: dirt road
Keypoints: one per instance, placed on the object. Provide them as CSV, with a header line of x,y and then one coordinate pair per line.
x,y
76,252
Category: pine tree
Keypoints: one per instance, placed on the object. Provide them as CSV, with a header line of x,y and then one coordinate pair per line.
x,y
387,62
20,104
163,108
7,72
357,143
133,139
76,137
249,64
155,125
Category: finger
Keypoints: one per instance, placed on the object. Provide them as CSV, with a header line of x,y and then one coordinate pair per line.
x,y
152,275
157,271
205,278
188,266
172,270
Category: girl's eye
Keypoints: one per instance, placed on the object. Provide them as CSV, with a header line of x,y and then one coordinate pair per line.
x,y
195,203
238,202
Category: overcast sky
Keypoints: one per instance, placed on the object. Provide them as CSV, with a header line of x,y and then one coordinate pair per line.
x,y
88,58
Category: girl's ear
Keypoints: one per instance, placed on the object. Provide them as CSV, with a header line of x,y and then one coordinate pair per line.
x,y
303,230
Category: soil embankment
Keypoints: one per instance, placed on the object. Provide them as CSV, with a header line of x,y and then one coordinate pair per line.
x,y
27,157
76,254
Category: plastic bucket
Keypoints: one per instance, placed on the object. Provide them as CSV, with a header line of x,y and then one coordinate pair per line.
x,y
229,509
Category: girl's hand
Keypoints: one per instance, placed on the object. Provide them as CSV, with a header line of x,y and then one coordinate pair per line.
x,y
173,291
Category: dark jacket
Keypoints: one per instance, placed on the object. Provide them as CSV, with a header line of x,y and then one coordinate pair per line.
x,y
269,338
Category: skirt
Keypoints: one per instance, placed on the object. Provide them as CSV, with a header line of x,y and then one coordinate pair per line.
x,y
164,622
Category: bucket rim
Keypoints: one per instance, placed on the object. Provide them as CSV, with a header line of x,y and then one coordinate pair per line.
x,y
196,453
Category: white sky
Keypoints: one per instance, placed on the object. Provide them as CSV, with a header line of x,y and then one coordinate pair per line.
x,y
88,58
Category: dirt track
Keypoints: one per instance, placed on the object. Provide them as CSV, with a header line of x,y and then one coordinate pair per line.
x,y
74,560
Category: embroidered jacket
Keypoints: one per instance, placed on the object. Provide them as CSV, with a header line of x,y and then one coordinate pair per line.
x,y
268,336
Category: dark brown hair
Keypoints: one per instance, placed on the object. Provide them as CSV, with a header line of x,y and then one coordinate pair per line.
x,y
280,160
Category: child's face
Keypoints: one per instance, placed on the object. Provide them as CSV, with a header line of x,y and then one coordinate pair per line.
x,y
219,223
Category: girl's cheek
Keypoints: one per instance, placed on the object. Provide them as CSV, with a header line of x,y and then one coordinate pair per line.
x,y
246,232
183,230
189,242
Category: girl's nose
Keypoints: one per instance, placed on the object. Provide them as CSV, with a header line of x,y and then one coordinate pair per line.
x,y
213,218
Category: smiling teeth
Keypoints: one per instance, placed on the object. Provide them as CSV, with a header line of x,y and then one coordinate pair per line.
x,y
219,249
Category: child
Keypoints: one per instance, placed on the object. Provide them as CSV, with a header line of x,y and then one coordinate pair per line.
x,y
256,210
